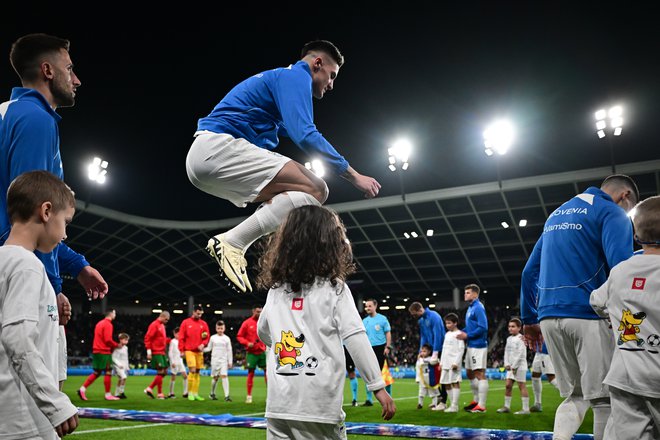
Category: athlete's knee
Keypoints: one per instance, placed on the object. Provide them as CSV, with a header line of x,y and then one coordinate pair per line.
x,y
299,198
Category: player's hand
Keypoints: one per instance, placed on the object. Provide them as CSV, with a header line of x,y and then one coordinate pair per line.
x,y
250,345
368,185
462,336
507,367
454,367
68,426
533,336
201,347
389,408
93,283
63,308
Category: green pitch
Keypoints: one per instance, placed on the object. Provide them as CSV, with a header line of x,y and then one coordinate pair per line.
x,y
404,393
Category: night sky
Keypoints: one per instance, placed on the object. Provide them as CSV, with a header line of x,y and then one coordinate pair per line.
x,y
436,74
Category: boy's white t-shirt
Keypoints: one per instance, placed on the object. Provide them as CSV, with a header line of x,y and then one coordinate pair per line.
x,y
173,352
515,353
220,348
325,315
120,358
26,296
452,350
633,286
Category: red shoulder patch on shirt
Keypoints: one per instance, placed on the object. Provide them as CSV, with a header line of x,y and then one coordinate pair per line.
x,y
638,283
297,304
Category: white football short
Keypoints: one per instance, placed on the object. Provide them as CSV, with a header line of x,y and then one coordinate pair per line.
x,y
581,351
450,376
177,367
229,168
61,355
543,364
520,375
219,368
475,358
277,429
121,373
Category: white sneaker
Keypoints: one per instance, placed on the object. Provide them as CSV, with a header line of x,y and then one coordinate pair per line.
x,y
248,399
522,412
439,407
452,409
504,409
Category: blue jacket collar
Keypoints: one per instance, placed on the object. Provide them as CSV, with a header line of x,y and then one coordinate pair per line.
x,y
27,94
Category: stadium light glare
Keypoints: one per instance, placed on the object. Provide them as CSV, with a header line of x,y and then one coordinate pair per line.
x,y
632,212
229,303
399,152
156,310
388,297
97,170
617,131
522,223
427,299
505,225
218,312
429,232
431,306
600,114
177,311
414,234
405,234
400,307
316,166
498,137
159,304
615,116
435,294
384,301
137,301
384,307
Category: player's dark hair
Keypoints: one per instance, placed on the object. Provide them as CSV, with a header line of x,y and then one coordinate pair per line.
x,y
176,329
453,317
323,46
473,287
109,312
123,336
310,243
198,307
428,347
415,307
647,220
30,190
257,306
373,301
517,321
622,181
28,52
220,322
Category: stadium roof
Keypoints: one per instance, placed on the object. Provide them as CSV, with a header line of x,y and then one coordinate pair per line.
x,y
164,261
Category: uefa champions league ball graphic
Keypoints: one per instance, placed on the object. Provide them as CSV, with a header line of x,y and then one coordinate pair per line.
x,y
311,362
653,340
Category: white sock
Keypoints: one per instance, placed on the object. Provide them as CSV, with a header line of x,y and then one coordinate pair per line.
x,y
602,410
420,399
483,392
525,402
267,218
474,385
214,383
83,389
225,386
537,389
553,382
185,386
568,417
172,386
455,395
507,401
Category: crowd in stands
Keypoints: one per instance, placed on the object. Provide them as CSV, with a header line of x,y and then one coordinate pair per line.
x,y
405,335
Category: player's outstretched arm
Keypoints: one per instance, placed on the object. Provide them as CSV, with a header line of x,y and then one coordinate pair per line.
x,y
367,185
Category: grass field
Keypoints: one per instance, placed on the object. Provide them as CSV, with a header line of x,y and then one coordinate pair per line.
x,y
404,393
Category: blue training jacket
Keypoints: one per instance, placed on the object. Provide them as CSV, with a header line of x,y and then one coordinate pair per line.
x,y
271,103
431,330
582,241
29,140
476,325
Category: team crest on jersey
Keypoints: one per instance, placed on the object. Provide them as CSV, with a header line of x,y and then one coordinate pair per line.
x,y
297,304
638,283
629,327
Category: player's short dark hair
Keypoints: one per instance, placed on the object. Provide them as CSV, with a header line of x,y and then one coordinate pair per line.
x,y
30,190
373,300
428,347
109,312
517,321
198,307
323,46
453,317
176,329
622,181
415,307
473,287
28,52
123,336
647,220
257,306
220,322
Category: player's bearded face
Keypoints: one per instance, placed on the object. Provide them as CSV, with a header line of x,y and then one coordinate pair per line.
x,y
65,82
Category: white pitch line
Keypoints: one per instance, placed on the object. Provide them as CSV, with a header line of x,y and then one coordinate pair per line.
x,y
119,428
415,397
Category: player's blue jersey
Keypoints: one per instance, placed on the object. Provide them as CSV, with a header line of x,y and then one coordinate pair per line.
x,y
376,328
271,103
476,325
582,240
29,140
431,330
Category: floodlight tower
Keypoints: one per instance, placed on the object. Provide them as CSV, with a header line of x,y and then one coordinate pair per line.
x,y
316,167
498,138
97,172
398,159
608,124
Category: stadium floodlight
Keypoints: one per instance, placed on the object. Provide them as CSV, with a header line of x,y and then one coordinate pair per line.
x,y
414,234
405,234
429,232
505,225
400,307
522,223
156,310
177,311
399,153
316,166
384,307
218,312
498,137
97,170
615,117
